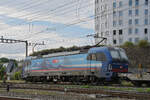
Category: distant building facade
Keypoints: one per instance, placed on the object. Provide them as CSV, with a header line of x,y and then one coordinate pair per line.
x,y
122,20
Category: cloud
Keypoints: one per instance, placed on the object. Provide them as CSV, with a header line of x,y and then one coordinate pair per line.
x,y
41,16
77,11
20,56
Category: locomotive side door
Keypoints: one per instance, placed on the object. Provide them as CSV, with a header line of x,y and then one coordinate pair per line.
x,y
105,73
91,62
100,62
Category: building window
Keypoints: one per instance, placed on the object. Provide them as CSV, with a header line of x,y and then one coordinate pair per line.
x,y
130,22
97,1
136,40
130,2
114,4
137,12
146,2
101,33
130,12
120,13
146,38
136,21
114,13
146,21
130,39
114,23
130,31
115,41
120,22
120,4
120,41
146,11
136,30
114,32
120,32
136,2
106,24
96,27
145,30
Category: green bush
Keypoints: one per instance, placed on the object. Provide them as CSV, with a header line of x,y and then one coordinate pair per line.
x,y
17,75
2,73
128,44
148,89
143,43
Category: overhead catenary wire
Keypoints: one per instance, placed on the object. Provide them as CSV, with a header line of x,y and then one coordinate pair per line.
x,y
22,23
6,2
39,11
81,21
53,11
33,6
89,18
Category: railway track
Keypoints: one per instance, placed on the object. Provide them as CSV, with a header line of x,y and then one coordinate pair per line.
x,y
11,98
85,90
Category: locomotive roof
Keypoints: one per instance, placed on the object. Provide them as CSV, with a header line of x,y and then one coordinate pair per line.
x,y
91,50
58,54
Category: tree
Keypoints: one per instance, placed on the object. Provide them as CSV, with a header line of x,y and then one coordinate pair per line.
x,y
128,44
2,72
17,75
4,60
143,43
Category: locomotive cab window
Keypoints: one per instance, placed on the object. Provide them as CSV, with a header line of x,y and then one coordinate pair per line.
x,y
100,57
91,57
97,57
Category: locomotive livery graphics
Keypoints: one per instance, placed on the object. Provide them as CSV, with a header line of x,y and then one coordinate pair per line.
x,y
97,63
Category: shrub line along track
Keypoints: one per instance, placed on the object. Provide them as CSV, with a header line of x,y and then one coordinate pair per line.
x,y
97,91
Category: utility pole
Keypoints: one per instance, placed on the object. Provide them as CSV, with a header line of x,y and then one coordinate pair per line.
x,y
35,44
3,40
97,36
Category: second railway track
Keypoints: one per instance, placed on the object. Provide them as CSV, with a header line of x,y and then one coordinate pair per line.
x,y
85,90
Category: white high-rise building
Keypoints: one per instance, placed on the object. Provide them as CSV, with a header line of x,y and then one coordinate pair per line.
x,y
122,20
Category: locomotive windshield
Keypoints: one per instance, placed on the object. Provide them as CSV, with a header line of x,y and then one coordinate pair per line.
x,y
118,55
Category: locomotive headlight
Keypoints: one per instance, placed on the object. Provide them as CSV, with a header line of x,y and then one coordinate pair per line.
x,y
110,67
121,67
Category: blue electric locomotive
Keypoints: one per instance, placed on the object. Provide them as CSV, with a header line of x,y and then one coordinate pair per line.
x,y
98,64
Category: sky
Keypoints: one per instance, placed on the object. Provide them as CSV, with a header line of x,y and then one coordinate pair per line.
x,y
56,22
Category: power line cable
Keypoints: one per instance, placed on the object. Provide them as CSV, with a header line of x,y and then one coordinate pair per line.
x,y
66,25
6,1
28,6
51,10
91,18
36,16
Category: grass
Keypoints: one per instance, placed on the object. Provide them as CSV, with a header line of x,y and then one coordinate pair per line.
x,y
148,89
98,87
125,83
111,88
32,92
85,86
13,81
141,90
